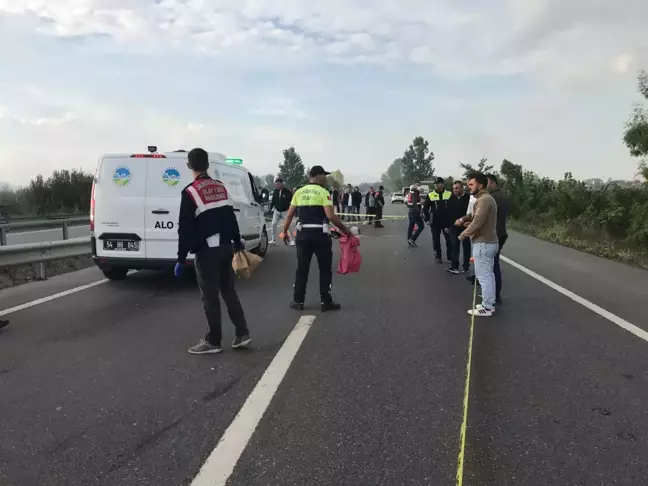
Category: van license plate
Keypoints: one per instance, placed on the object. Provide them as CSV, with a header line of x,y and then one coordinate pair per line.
x,y
121,245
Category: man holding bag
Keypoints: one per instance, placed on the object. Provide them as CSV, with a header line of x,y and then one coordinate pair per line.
x,y
208,228
315,207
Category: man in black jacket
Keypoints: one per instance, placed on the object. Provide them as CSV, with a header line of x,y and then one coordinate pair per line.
x,y
380,203
502,235
457,207
209,229
279,204
435,210
413,202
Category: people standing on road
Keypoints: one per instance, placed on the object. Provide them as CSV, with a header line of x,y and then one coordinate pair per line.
x,y
436,212
413,202
380,203
356,199
457,207
348,203
209,229
370,204
315,208
279,205
502,235
482,230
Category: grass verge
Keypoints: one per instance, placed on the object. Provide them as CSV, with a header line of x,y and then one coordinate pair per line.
x,y
599,246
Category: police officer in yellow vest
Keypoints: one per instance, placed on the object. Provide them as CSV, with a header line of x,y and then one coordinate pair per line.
x,y
315,210
435,210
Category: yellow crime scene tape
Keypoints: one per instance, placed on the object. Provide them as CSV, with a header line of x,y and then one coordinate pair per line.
x,y
466,398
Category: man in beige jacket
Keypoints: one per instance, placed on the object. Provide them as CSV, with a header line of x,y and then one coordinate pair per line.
x,y
482,230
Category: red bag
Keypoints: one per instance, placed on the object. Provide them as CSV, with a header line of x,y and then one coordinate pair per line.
x,y
350,258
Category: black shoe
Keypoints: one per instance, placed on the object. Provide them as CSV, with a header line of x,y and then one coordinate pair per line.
x,y
330,306
3,324
466,270
298,306
241,342
411,243
498,301
471,279
438,260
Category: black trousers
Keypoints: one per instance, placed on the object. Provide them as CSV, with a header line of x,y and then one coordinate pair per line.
x,y
379,213
215,276
458,247
436,242
497,270
371,212
415,219
320,245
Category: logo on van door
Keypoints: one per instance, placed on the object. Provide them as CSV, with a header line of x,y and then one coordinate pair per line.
x,y
171,176
122,176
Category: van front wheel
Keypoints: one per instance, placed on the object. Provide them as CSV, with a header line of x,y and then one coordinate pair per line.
x,y
115,273
262,249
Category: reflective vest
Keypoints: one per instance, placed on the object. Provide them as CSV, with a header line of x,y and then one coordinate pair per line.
x,y
434,196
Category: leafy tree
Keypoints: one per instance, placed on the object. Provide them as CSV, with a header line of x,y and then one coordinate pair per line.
x,y
417,161
482,167
292,169
393,177
636,133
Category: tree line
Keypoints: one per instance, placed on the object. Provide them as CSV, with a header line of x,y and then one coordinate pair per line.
x,y
63,192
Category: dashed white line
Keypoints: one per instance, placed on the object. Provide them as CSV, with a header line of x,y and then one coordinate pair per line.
x,y
622,323
221,462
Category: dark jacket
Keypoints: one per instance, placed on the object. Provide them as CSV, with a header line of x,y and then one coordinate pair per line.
x,y
457,207
380,199
336,197
281,199
356,197
502,212
437,211
205,210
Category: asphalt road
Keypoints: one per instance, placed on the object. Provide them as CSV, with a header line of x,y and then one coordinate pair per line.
x,y
37,236
96,387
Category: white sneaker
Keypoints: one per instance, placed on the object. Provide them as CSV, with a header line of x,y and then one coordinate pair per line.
x,y
481,306
292,242
481,312
272,242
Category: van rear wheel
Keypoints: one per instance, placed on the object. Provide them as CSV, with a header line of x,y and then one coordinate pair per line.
x,y
118,273
262,249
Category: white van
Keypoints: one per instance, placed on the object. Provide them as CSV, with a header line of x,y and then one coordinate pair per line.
x,y
135,209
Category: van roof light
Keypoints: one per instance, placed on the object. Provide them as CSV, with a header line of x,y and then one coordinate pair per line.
x,y
148,156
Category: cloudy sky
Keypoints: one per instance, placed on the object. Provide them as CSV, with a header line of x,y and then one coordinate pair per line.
x,y
349,83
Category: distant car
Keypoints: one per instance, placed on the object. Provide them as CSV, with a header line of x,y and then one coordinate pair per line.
x,y
397,198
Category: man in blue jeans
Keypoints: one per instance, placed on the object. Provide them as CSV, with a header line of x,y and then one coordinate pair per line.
x,y
482,231
502,235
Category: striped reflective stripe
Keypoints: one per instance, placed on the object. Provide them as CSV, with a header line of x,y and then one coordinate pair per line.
x,y
201,207
312,225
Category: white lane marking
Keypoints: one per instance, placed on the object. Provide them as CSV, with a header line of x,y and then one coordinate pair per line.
x,y
49,298
622,323
221,462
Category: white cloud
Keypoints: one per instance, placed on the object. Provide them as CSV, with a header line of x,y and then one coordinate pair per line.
x,y
502,78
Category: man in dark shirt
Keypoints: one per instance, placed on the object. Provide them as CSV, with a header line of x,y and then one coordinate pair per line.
x,y
413,202
457,207
209,229
380,203
280,203
502,235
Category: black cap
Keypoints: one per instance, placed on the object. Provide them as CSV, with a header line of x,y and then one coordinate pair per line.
x,y
278,179
439,180
318,170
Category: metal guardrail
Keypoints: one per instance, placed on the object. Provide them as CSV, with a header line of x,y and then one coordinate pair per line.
x,y
41,252
63,224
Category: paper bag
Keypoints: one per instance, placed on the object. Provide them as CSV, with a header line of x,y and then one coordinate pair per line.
x,y
244,263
